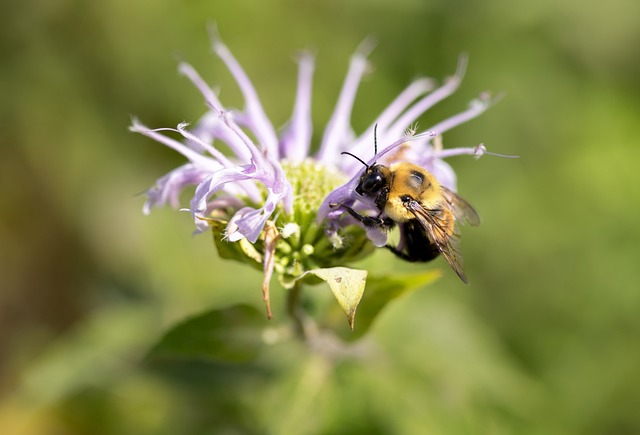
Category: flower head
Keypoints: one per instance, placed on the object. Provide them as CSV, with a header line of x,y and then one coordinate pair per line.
x,y
267,198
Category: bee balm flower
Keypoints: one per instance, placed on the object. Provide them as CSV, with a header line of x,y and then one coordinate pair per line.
x,y
267,197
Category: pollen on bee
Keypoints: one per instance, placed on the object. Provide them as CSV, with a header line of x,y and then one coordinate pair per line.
x,y
397,210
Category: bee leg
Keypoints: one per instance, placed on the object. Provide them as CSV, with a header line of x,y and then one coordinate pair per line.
x,y
370,221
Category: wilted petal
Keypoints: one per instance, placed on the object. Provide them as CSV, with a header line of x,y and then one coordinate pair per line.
x,y
270,237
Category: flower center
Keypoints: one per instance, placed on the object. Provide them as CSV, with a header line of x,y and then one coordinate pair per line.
x,y
304,244
311,183
301,243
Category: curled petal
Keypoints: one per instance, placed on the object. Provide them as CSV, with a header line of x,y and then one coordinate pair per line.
x,y
167,189
216,181
248,222
211,185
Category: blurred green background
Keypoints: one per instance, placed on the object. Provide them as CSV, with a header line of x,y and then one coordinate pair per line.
x,y
545,340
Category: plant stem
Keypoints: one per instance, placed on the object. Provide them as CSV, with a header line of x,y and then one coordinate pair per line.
x,y
295,311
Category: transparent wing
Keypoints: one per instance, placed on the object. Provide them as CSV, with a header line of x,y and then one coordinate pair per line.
x,y
462,210
447,243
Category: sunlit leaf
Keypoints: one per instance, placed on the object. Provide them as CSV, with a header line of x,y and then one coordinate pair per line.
x,y
381,291
232,334
347,286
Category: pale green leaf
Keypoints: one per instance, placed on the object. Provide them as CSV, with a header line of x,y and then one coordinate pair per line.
x,y
347,286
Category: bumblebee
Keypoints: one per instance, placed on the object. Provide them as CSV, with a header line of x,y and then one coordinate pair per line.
x,y
427,214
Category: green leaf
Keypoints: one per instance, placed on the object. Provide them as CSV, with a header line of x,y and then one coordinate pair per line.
x,y
382,290
232,334
347,286
242,251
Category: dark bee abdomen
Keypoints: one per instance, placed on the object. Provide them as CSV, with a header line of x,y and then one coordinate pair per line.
x,y
417,246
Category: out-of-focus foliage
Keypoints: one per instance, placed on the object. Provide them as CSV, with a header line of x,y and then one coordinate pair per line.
x,y
544,340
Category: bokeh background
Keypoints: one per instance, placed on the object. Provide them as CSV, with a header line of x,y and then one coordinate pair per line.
x,y
545,340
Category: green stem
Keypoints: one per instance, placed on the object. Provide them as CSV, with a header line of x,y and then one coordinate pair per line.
x,y
295,310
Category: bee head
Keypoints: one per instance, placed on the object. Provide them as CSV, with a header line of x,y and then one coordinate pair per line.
x,y
372,181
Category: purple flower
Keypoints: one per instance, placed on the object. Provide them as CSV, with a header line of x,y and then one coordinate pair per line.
x,y
248,176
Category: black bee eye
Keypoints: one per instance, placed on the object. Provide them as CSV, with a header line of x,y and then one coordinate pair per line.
x,y
371,184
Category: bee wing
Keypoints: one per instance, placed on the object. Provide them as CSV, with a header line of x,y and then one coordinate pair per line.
x,y
462,210
447,244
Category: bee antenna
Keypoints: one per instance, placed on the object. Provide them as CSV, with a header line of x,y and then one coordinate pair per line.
x,y
356,157
375,139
